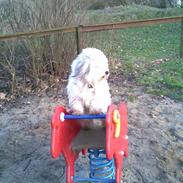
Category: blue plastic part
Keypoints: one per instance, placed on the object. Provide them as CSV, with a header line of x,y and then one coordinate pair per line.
x,y
78,179
85,116
101,169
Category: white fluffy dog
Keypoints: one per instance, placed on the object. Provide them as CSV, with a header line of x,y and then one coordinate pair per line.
x,y
88,89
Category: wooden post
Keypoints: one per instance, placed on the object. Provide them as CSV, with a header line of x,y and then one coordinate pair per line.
x,y
181,40
79,40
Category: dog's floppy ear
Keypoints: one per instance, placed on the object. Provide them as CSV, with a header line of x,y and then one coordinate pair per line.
x,y
80,68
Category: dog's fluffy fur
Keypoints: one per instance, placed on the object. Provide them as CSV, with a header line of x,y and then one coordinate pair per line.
x,y
88,89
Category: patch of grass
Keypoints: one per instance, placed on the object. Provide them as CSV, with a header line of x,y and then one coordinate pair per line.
x,y
150,54
129,12
143,43
132,98
152,42
164,79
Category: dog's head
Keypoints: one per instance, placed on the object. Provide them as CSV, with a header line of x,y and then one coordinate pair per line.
x,y
91,66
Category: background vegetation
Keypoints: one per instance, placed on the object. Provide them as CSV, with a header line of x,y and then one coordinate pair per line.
x,y
96,4
145,56
36,62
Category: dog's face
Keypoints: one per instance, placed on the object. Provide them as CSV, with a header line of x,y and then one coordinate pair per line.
x,y
91,66
97,73
88,88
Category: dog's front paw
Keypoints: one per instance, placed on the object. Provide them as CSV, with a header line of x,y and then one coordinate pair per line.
x,y
77,108
98,110
77,112
94,112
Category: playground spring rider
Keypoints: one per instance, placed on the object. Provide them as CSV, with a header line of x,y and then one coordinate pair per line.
x,y
107,147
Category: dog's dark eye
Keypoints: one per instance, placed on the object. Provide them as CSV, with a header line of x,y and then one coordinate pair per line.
x,y
90,86
106,72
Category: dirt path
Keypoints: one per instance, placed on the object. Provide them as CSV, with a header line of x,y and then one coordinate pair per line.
x,y
155,140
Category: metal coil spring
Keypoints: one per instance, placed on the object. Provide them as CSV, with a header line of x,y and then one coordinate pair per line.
x,y
101,168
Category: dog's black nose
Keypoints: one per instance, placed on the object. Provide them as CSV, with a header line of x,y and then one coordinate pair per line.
x,y
106,72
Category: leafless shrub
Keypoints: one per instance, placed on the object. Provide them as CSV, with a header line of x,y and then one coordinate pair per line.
x,y
45,57
8,64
